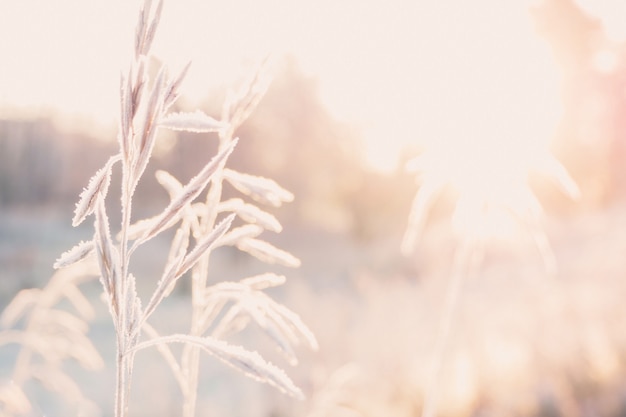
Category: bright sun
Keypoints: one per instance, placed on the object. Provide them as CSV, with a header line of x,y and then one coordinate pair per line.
x,y
492,108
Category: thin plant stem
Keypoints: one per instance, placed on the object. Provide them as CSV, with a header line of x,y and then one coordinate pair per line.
x,y
124,370
191,354
120,397
461,268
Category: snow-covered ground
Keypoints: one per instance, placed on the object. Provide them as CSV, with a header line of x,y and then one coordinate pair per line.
x,y
523,343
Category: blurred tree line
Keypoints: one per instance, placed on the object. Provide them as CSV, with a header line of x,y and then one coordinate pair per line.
x,y
42,165
293,139
290,138
591,140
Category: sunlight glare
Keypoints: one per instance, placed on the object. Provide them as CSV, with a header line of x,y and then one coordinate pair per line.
x,y
605,61
474,78
493,106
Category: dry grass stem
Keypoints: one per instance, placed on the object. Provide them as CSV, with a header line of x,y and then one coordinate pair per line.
x,y
48,337
144,105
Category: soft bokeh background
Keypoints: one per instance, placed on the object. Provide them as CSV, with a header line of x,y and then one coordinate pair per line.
x,y
360,87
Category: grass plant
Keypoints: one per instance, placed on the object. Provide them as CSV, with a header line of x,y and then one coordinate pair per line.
x,y
201,225
50,336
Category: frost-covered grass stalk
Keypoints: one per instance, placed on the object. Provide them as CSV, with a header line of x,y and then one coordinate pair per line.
x,y
243,301
50,336
219,309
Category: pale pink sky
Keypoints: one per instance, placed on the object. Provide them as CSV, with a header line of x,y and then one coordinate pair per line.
x,y
386,65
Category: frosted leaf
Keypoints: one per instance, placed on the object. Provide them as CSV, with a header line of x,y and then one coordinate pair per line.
x,y
232,322
179,244
281,324
281,341
167,354
189,193
256,305
248,362
175,188
263,281
98,187
148,130
125,117
136,87
144,33
132,303
140,27
252,214
240,103
77,253
196,122
253,365
268,253
152,29
228,287
169,182
261,189
199,209
230,205
295,322
214,304
205,245
172,90
139,228
164,286
170,275
107,257
243,232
